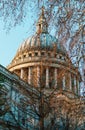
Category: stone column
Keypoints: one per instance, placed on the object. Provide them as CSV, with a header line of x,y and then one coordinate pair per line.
x,y
75,84
22,73
47,77
70,81
64,82
55,77
38,76
29,75
78,87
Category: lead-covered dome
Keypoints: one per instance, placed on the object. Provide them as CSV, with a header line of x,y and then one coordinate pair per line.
x,y
41,39
43,57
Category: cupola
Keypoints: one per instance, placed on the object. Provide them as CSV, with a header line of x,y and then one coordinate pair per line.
x,y
42,26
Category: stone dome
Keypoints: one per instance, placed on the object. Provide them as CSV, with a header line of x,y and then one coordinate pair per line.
x,y
43,57
42,40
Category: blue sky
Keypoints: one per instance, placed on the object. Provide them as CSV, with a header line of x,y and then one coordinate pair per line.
x,y
10,41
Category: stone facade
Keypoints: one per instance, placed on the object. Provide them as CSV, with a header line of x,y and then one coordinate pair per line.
x,y
42,61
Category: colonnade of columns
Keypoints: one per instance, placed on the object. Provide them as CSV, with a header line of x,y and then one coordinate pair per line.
x,y
72,86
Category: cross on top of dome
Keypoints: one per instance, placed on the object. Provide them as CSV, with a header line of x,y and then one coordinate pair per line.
x,y
43,9
42,26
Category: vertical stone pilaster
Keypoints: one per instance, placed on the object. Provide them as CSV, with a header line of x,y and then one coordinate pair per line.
x,y
75,84
70,81
47,77
38,76
78,87
55,77
64,82
29,75
22,73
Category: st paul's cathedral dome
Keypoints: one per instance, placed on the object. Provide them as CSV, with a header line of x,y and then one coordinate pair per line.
x,y
41,39
43,57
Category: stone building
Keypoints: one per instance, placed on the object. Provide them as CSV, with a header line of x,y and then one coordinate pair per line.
x,y
14,93
42,62
41,58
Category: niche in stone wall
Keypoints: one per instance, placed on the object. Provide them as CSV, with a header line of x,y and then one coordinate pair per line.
x,y
60,74
72,81
25,74
43,77
67,80
34,76
51,78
